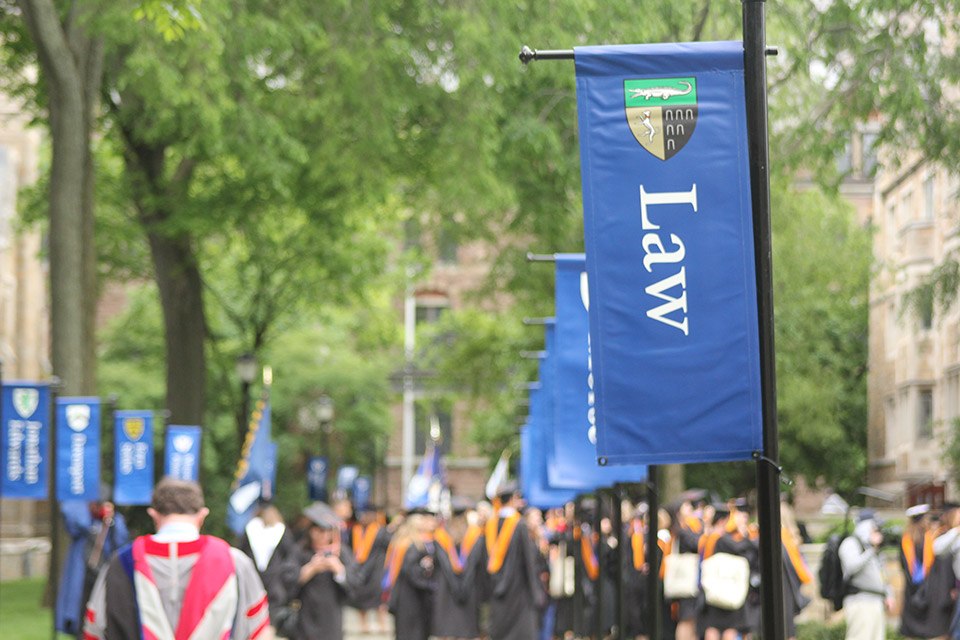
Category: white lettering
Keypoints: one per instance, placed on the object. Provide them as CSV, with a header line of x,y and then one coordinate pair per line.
x,y
660,256
77,442
648,199
671,304
31,454
15,451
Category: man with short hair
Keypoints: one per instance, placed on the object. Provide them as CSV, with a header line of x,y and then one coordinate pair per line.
x,y
177,584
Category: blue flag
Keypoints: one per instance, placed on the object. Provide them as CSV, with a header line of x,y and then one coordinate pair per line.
x,y
25,440
427,483
255,469
317,479
182,452
566,372
78,449
133,457
669,243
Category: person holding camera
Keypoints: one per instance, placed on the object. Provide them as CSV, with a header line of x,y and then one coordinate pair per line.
x,y
867,592
96,531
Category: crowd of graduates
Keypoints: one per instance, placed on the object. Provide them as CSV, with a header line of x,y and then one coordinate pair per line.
x,y
504,570
507,571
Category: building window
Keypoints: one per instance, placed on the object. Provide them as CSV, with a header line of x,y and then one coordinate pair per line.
x,y
925,414
431,307
928,201
845,159
889,426
869,153
952,396
447,247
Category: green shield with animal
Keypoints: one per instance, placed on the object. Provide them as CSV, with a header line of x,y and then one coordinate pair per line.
x,y
661,112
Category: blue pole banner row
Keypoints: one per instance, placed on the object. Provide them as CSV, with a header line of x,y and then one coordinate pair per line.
x,y
133,460
567,371
78,449
669,252
25,407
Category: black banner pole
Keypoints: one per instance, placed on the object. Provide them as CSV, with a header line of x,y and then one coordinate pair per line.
x,y
601,566
578,603
654,598
618,555
55,548
768,469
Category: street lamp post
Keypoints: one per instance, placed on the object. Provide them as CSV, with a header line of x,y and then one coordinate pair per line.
x,y
318,416
246,371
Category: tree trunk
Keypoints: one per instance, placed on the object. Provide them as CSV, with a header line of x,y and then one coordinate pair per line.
x,y
672,483
181,289
70,66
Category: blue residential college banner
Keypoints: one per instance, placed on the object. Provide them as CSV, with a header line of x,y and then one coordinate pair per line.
x,y
24,441
534,445
669,243
182,452
574,461
361,492
133,457
317,479
78,449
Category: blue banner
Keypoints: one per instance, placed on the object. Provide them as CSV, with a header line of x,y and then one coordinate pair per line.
x,y
572,461
182,452
77,461
346,476
361,492
24,443
669,243
534,444
317,479
256,469
133,457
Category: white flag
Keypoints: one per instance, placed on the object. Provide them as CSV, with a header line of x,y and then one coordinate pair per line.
x,y
499,475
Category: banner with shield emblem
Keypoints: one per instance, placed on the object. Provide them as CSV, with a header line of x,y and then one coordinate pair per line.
x,y
182,452
24,441
133,452
78,449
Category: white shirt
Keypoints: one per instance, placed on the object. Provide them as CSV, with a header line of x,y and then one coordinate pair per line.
x,y
263,540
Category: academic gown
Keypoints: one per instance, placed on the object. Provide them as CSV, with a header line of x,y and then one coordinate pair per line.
x,y
515,589
927,606
456,603
793,600
75,587
370,574
282,571
635,583
411,598
688,541
322,599
568,618
723,619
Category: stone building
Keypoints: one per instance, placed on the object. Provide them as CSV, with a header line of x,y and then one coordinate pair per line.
x,y
24,307
914,376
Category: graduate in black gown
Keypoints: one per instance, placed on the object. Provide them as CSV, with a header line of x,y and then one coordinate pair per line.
x,y
515,587
271,545
714,623
928,579
636,570
327,577
411,576
369,542
460,559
